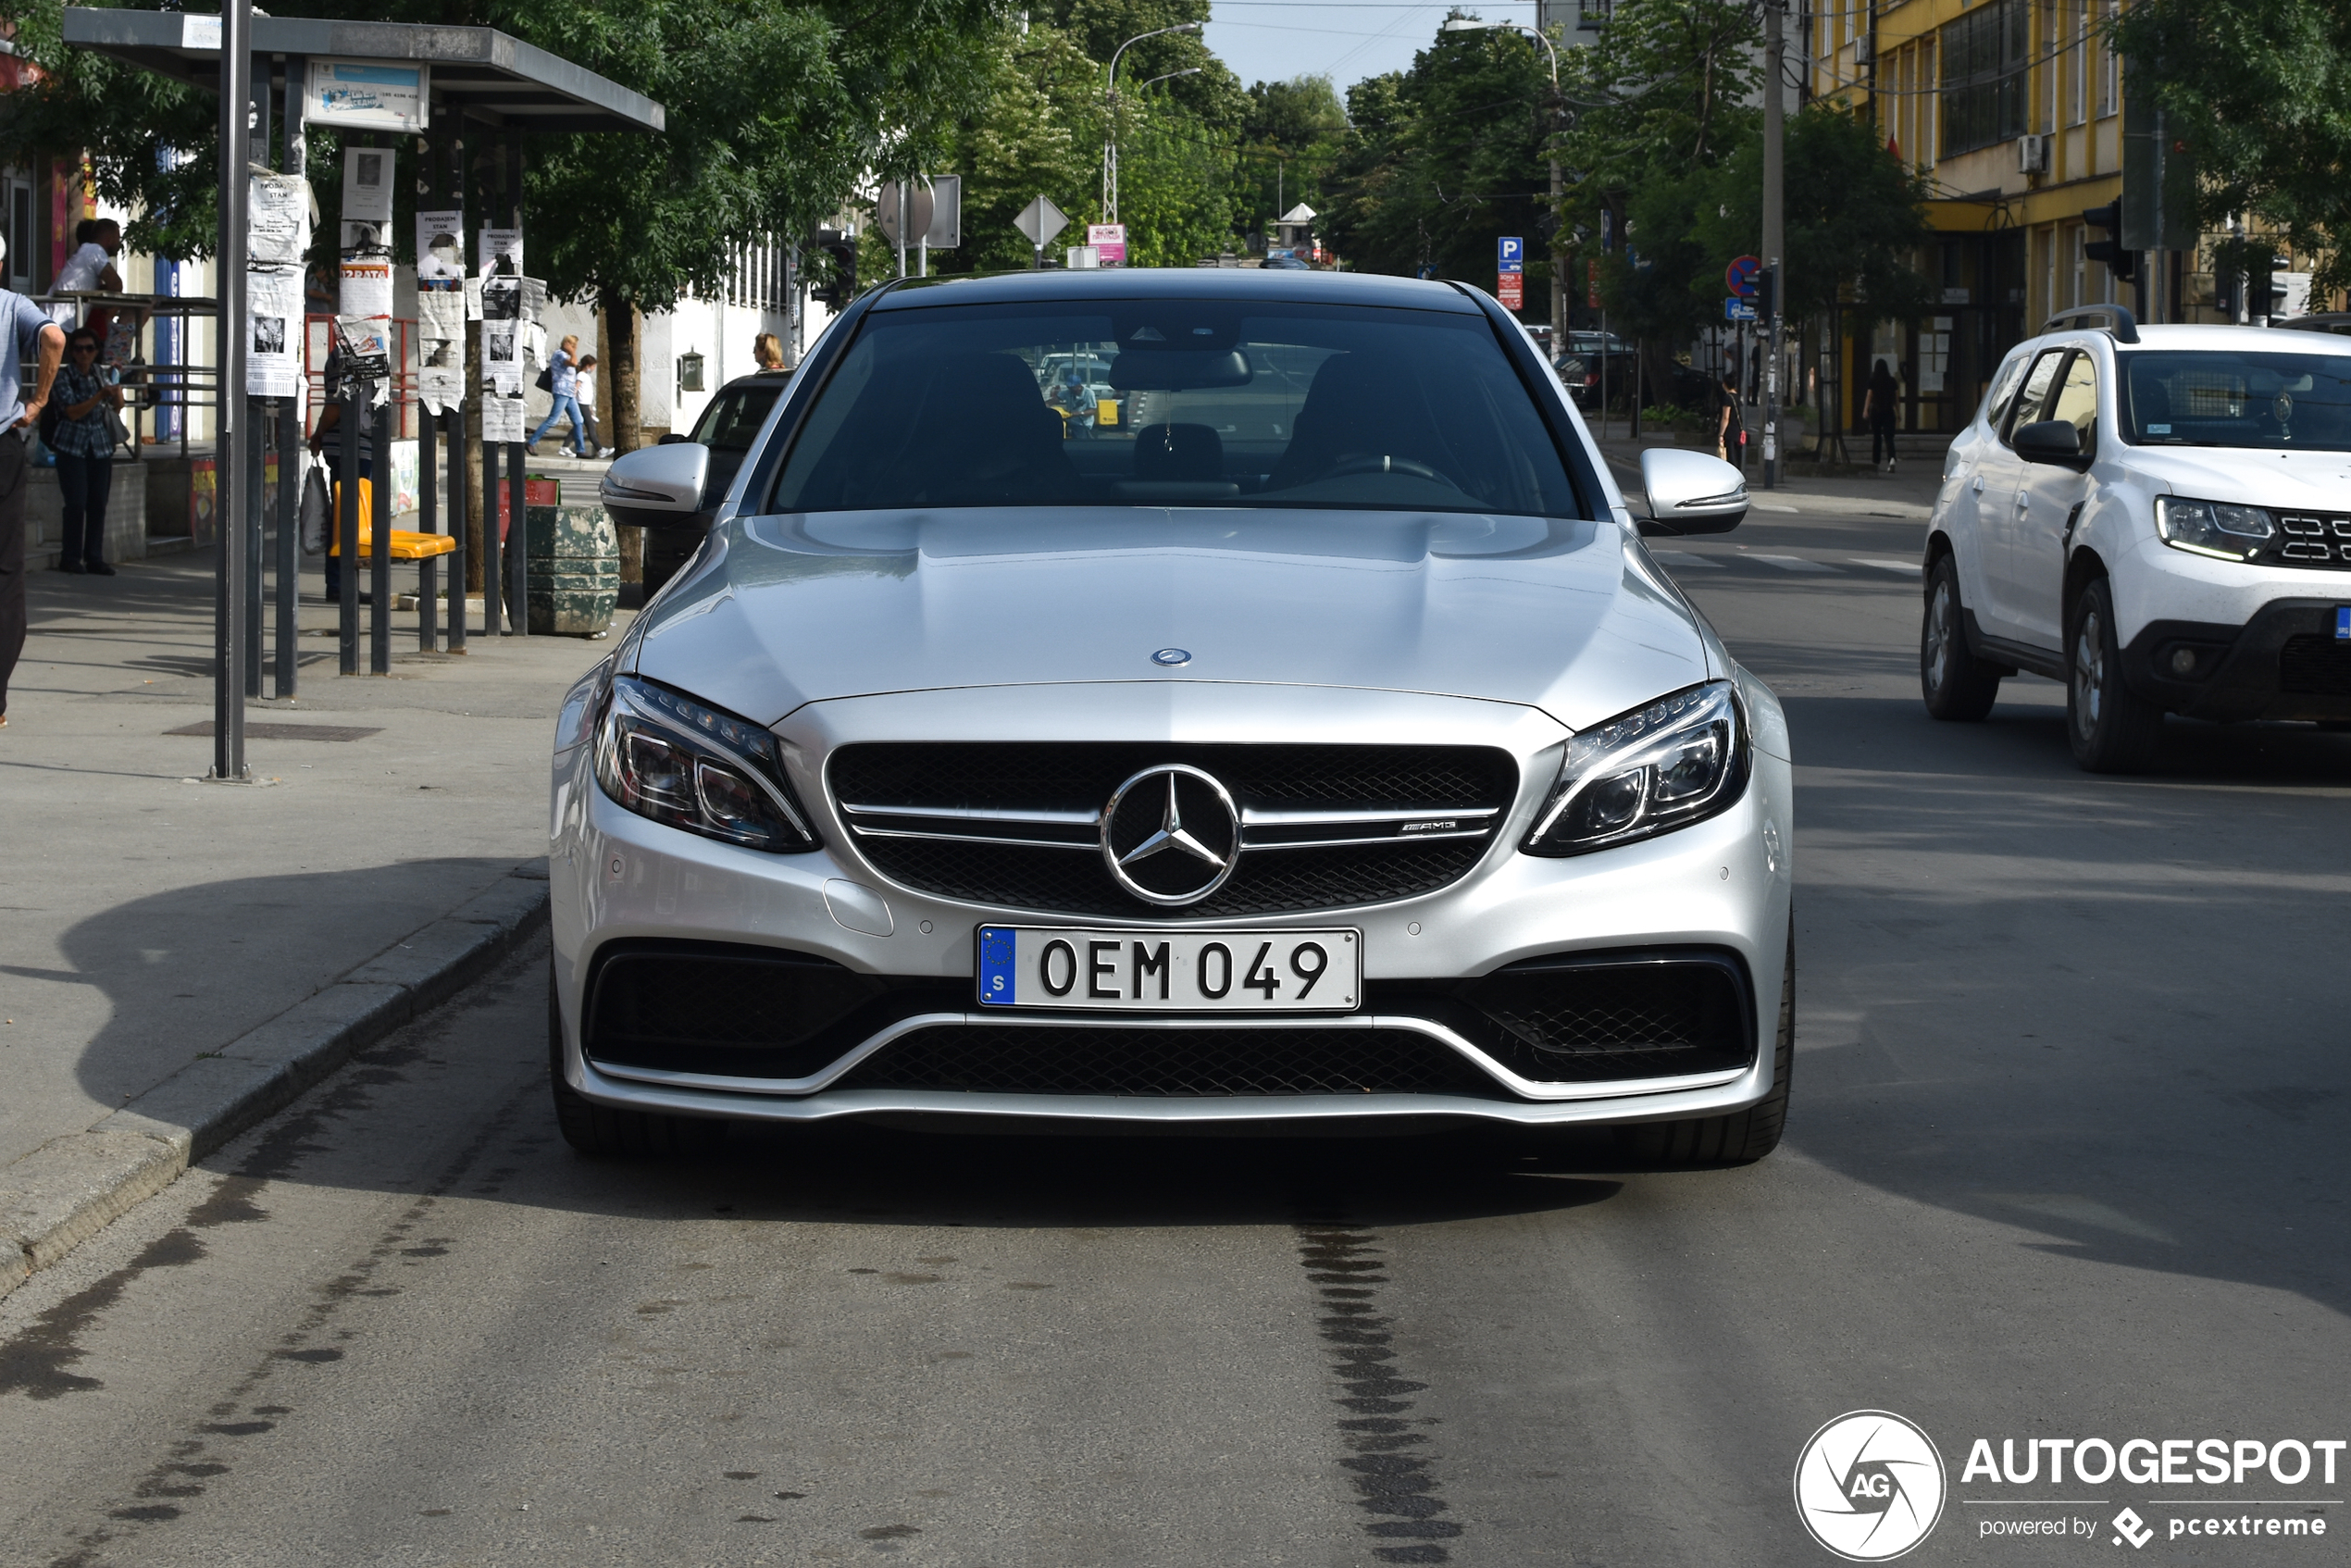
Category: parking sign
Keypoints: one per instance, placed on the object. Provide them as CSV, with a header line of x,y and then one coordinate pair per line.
x,y
1510,254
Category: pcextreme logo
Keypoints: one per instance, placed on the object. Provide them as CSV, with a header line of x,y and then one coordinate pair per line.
x,y
1870,1485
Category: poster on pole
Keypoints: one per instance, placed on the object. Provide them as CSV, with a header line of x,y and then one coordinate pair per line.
x,y
1108,241
501,419
367,288
366,94
501,253
366,201
273,333
277,221
440,309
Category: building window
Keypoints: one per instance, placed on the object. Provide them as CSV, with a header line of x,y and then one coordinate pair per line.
x,y
2077,63
2109,86
1984,56
1592,14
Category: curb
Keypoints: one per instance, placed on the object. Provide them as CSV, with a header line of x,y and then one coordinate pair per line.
x,y
73,1186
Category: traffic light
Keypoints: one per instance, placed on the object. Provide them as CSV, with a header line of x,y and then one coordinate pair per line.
x,y
841,286
1767,294
2119,262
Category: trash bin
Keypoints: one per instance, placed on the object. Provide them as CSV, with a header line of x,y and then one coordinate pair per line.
x,y
574,570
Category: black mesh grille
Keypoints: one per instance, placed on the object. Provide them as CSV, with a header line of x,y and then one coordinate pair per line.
x,y
739,1012
1080,776
1001,1059
2314,667
1588,1019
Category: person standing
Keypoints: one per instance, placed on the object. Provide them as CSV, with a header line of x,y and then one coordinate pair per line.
x,y
91,269
23,325
1730,429
1877,412
767,352
83,441
583,392
562,381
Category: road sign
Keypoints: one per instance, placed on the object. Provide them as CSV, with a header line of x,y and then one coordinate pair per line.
x,y
1040,220
1737,310
1509,252
1739,277
946,212
1108,240
1512,291
918,208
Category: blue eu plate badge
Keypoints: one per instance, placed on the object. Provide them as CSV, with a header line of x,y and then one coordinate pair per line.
x,y
998,948
2343,623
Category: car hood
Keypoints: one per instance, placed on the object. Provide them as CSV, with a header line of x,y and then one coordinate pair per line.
x,y
2315,480
1568,617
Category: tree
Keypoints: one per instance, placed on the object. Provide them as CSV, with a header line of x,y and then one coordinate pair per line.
x,y
2259,93
1294,136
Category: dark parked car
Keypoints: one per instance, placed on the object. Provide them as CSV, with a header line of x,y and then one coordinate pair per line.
x,y
728,427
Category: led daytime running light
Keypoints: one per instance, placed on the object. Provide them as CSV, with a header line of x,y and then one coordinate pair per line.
x,y
1677,760
669,758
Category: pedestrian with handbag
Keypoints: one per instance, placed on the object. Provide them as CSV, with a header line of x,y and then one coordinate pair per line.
x,y
83,439
24,326
562,382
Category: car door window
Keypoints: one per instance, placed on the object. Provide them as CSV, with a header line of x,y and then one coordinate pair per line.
x,y
1996,408
2077,398
2035,395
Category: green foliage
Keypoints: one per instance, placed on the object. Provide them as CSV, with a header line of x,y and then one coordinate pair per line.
x,y
1445,159
1294,137
2259,91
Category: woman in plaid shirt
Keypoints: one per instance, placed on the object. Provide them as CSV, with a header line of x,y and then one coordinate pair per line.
x,y
84,446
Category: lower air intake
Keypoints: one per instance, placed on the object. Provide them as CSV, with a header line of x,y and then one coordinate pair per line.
x,y
999,1059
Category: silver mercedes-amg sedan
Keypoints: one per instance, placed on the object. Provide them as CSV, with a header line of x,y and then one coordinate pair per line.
x,y
1149,698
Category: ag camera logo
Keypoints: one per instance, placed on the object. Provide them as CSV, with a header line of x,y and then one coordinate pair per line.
x,y
1870,1485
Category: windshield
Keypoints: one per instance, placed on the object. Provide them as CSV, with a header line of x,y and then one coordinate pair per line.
x,y
731,422
1175,402
2208,398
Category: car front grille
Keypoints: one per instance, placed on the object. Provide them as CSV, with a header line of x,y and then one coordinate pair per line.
x,y
2314,667
1019,826
2311,541
1208,1062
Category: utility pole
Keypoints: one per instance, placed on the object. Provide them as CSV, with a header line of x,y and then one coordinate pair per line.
x,y
1110,121
1774,236
231,431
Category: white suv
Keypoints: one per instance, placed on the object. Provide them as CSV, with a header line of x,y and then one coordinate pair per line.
x,y
2159,516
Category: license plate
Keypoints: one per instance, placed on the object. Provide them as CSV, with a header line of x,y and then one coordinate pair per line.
x,y
1130,971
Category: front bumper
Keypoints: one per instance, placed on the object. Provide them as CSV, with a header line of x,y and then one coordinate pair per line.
x,y
2286,663
1721,887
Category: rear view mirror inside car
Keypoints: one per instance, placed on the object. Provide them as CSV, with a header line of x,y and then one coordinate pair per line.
x,y
1178,371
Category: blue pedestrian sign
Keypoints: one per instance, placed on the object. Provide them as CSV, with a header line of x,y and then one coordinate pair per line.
x,y
1737,310
1511,254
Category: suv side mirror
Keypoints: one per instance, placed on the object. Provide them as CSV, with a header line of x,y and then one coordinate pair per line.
x,y
657,487
2050,441
1691,493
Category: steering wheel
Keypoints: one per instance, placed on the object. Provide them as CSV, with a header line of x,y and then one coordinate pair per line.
x,y
1383,465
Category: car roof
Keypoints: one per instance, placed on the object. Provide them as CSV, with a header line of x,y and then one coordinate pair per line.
x,y
2189,337
1238,284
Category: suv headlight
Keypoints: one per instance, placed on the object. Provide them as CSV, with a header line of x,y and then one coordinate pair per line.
x,y
1680,759
2213,528
665,756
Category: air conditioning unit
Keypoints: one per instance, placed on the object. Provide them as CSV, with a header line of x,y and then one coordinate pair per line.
x,y
1865,49
2033,155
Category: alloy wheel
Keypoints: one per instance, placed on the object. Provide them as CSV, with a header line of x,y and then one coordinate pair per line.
x,y
2089,671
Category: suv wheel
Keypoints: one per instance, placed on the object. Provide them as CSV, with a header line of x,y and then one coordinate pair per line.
x,y
602,1130
2112,728
1743,1137
1954,683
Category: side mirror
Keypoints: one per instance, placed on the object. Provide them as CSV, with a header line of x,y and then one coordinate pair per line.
x,y
658,487
2050,441
675,438
1690,492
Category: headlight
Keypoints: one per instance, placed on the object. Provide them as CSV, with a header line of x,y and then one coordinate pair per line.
x,y
668,757
2213,528
1680,759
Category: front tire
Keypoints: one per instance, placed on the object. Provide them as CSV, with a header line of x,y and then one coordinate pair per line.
x,y
1958,687
1743,1137
2113,730
603,1132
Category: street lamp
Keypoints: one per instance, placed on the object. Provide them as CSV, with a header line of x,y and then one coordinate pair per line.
x,y
1109,116
1558,283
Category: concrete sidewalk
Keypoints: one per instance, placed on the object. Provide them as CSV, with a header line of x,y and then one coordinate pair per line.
x,y
178,958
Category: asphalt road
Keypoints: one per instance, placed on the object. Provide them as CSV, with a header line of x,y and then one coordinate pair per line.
x,y
2066,1162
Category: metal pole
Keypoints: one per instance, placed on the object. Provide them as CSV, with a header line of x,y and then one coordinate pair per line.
x,y
380,550
456,419
518,537
231,431
427,486
347,526
494,581
255,473
291,450
1774,224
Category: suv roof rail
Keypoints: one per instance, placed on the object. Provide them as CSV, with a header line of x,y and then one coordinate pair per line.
x,y
2113,318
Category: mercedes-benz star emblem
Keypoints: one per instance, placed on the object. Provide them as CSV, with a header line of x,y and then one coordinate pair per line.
x,y
1170,834
1172,657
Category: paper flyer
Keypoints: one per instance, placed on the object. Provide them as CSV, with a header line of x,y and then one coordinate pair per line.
x,y
366,201
273,342
501,253
441,315
367,288
501,419
441,249
277,221
365,355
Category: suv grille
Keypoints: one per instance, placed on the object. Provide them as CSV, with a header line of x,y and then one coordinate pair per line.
x,y
2311,542
1001,1059
2314,667
1321,826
